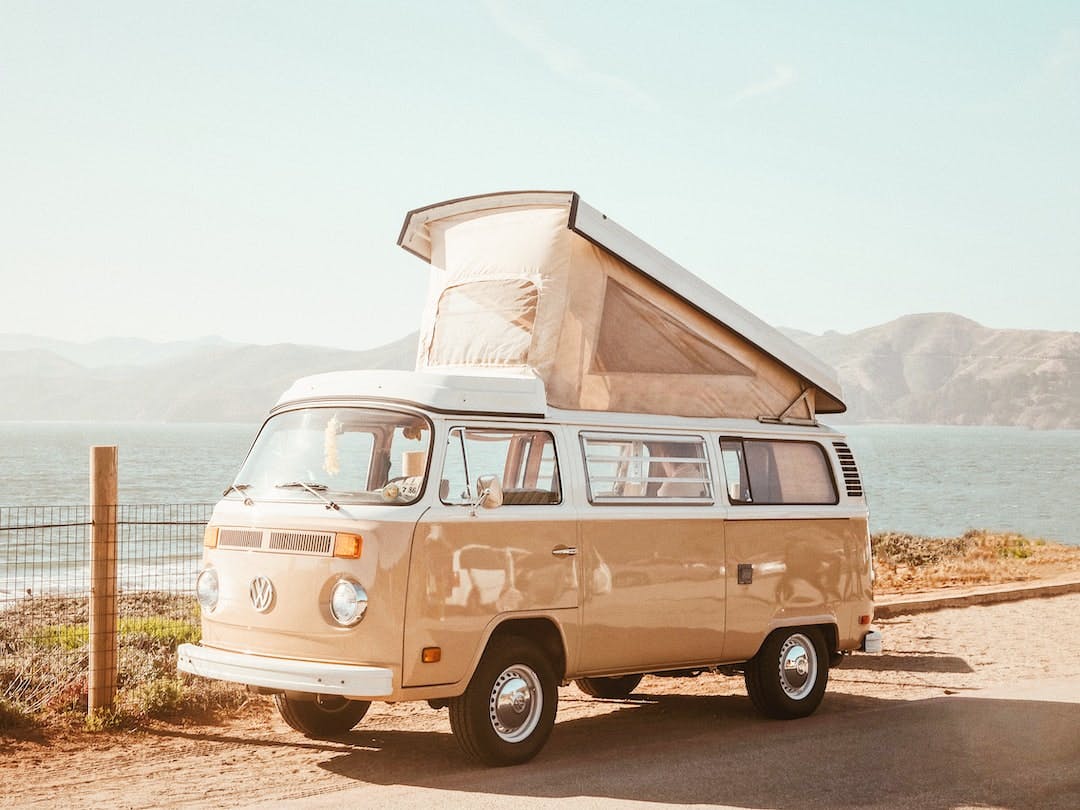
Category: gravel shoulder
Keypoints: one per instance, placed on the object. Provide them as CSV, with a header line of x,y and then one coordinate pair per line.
x,y
654,747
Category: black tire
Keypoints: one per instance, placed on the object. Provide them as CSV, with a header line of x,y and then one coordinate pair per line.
x,y
508,710
618,687
788,676
325,716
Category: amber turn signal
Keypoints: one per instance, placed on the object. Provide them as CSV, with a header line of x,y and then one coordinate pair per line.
x,y
348,546
865,619
209,538
431,655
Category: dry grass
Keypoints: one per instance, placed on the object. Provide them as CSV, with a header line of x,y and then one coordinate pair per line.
x,y
906,563
44,644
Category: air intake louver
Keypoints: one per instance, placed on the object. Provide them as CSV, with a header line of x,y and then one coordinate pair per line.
x,y
852,482
240,538
321,543
307,542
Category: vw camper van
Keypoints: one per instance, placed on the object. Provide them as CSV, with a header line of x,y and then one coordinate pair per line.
x,y
601,468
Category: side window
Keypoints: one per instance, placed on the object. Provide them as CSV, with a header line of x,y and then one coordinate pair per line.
x,y
772,472
523,460
738,486
655,468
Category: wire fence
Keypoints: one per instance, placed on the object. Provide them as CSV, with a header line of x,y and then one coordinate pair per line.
x,y
45,583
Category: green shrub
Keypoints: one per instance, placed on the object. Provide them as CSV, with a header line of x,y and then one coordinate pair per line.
x,y
143,631
155,630
161,697
105,720
1017,547
66,636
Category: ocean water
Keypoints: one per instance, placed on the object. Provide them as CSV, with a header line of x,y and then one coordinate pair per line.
x,y
48,463
941,481
923,479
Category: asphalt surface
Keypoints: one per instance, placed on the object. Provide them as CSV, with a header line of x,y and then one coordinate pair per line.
x,y
1011,746
1016,746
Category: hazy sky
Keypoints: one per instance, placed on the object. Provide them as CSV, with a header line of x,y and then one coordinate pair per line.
x,y
171,170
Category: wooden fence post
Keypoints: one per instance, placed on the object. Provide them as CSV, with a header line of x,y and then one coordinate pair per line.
x,y
103,613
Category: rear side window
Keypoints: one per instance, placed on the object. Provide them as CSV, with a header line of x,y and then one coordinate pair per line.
x,y
763,471
656,468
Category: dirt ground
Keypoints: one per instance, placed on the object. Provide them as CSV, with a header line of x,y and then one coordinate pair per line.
x,y
407,749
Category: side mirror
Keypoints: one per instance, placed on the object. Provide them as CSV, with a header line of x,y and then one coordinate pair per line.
x,y
490,494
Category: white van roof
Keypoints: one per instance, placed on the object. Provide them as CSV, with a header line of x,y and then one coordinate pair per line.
x,y
498,396
450,393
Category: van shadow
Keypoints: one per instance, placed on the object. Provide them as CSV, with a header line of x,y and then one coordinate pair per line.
x,y
909,662
678,749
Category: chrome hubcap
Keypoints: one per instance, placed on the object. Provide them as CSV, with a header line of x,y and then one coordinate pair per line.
x,y
515,703
798,666
331,704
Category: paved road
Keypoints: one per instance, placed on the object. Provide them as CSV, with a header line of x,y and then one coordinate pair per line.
x,y
1017,746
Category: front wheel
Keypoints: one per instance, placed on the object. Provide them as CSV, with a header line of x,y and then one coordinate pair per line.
x,y
325,716
508,710
617,687
787,678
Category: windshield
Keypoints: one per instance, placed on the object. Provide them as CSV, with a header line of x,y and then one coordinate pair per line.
x,y
337,455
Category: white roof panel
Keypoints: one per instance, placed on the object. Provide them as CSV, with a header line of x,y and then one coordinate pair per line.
x,y
452,393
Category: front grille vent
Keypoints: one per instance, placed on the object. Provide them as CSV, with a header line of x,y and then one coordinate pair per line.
x,y
321,543
240,538
304,542
852,482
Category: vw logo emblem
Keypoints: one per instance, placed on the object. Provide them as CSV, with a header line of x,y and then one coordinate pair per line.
x,y
261,592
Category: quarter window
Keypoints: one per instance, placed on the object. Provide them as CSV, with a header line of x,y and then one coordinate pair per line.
x,y
655,468
770,472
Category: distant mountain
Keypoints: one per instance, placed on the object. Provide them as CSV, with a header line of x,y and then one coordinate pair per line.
x,y
198,381
942,368
936,368
112,351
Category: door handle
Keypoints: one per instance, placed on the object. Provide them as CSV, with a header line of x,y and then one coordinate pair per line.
x,y
564,551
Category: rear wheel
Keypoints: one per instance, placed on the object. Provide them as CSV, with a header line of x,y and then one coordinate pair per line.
x,y
508,710
787,678
618,687
325,716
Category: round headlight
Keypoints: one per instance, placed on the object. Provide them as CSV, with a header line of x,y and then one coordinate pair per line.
x,y
348,602
207,590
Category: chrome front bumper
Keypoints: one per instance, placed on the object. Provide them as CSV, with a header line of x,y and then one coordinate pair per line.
x,y
288,675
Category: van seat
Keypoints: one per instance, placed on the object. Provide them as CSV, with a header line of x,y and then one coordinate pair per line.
x,y
529,497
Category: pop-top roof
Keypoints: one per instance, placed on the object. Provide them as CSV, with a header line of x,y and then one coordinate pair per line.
x,y
427,233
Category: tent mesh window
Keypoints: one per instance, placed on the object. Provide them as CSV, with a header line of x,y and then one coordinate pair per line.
x,y
485,323
638,337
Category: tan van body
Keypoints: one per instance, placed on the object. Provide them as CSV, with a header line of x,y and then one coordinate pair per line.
x,y
393,533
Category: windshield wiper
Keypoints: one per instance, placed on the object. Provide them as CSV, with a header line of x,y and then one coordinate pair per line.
x,y
314,488
239,488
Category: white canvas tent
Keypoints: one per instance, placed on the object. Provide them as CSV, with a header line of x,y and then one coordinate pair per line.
x,y
538,282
